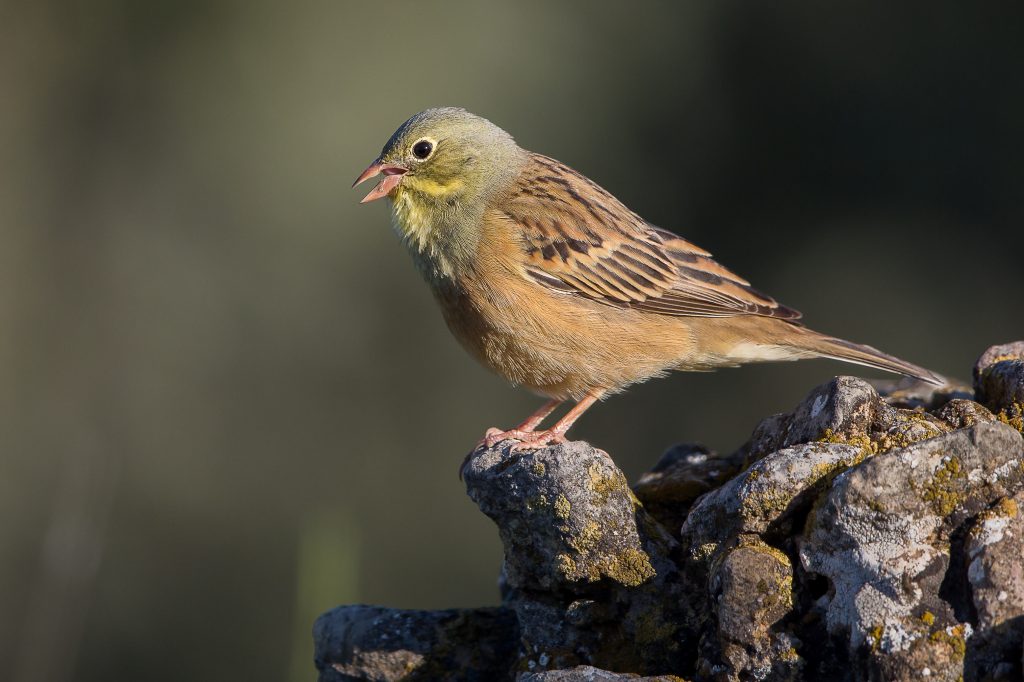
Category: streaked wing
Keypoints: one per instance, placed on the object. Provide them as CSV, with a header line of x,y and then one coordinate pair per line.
x,y
579,239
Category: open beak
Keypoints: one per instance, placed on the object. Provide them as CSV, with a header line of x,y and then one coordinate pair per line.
x,y
392,176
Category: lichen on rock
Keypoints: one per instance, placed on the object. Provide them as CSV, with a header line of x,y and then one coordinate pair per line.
x,y
872,533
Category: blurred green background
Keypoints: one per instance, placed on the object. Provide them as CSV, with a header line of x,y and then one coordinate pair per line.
x,y
227,402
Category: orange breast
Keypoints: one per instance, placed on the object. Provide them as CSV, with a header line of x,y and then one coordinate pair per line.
x,y
557,344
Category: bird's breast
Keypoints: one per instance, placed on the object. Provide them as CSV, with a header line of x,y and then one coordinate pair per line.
x,y
412,220
557,345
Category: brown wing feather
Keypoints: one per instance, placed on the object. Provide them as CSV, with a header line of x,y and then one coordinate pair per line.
x,y
579,239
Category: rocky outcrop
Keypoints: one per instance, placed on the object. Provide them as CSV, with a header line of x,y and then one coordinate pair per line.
x,y
869,534
379,644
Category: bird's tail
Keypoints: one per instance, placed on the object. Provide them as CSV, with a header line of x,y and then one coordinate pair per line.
x,y
830,347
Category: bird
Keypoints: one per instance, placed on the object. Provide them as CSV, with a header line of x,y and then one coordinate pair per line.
x,y
553,283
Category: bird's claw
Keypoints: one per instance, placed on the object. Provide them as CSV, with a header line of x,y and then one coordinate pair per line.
x,y
525,440
495,436
537,439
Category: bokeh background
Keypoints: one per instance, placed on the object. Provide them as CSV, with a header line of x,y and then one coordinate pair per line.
x,y
227,402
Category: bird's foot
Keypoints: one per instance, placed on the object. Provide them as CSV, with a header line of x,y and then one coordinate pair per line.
x,y
535,440
495,436
525,440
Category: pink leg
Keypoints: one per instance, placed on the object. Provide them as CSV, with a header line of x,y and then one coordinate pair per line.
x,y
556,434
495,436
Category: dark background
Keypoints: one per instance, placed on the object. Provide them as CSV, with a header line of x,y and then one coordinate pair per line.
x,y
227,402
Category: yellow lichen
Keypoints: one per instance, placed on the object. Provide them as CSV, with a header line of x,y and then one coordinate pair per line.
x,y
605,484
1013,416
566,565
705,551
538,468
562,507
875,637
630,568
954,637
755,543
943,491
1007,507
587,538
538,502
857,440
928,618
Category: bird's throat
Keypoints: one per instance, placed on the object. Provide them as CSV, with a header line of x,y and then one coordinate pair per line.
x,y
435,234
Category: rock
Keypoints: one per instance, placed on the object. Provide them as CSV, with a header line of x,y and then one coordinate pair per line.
x,y
768,493
845,407
845,410
589,573
868,534
586,673
684,473
752,589
960,413
884,537
565,515
999,382
917,395
994,550
380,645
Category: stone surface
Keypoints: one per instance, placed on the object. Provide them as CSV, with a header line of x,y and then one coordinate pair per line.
x,y
379,644
994,552
999,382
769,492
884,537
589,573
684,473
566,515
586,673
868,534
752,590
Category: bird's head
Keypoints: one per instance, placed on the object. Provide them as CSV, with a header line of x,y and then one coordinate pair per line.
x,y
442,159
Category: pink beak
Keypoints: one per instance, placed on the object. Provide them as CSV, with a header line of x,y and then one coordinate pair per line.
x,y
392,176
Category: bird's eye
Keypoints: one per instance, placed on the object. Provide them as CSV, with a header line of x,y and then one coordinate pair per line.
x,y
422,149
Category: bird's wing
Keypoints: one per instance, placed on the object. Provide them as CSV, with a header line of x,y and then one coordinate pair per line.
x,y
578,239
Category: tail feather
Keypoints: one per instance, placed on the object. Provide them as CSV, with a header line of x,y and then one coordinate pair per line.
x,y
859,354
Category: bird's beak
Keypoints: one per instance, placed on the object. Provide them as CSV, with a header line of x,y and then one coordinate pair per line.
x,y
392,176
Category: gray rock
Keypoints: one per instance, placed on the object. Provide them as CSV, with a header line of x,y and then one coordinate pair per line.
x,y
565,515
752,589
381,645
917,395
684,473
845,406
960,413
866,535
586,673
845,410
589,573
766,494
883,536
999,382
994,550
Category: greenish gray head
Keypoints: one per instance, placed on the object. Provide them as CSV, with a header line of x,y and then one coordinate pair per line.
x,y
443,155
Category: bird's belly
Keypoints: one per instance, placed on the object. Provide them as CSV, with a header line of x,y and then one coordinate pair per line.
x,y
563,348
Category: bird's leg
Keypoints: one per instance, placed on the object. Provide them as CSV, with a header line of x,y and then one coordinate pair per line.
x,y
556,434
495,436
